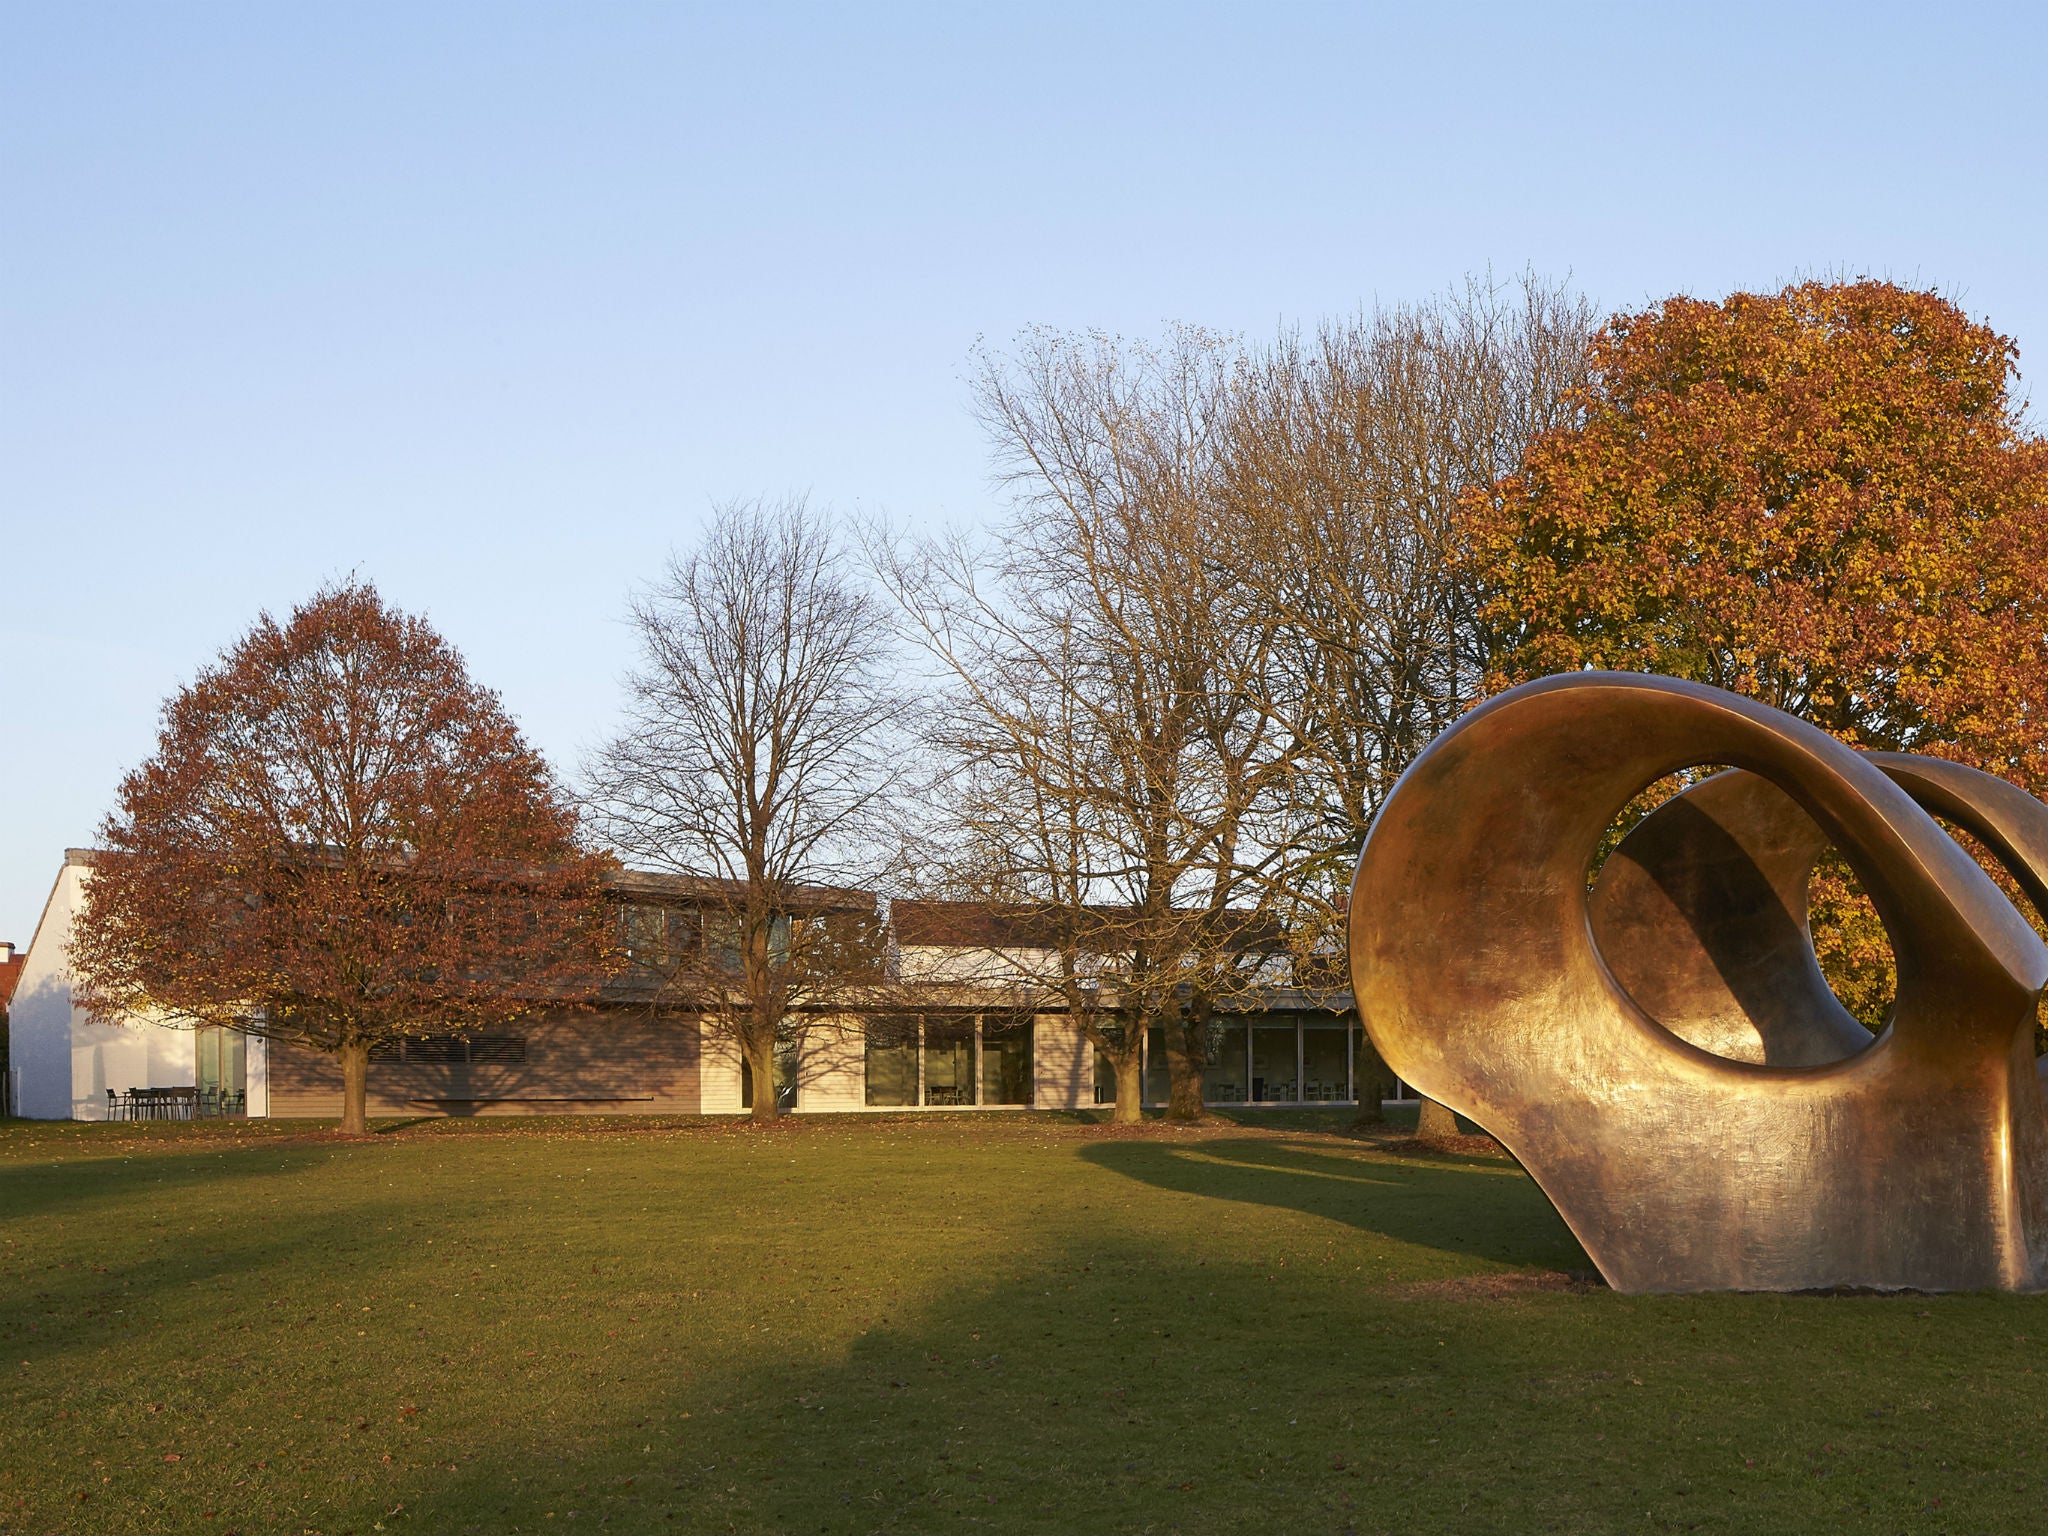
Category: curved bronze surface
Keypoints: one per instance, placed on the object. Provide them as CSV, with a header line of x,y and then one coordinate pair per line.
x,y
1701,916
1664,1056
1701,912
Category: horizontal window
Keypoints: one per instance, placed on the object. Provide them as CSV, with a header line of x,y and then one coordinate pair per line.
x,y
452,1050
949,1060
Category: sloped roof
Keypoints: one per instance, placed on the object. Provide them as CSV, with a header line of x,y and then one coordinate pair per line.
x,y
1000,925
656,885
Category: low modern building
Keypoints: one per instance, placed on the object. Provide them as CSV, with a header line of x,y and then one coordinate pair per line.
x,y
981,1036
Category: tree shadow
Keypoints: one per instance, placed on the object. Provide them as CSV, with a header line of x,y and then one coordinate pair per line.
x,y
1478,1207
1057,1398
1114,1362
112,1177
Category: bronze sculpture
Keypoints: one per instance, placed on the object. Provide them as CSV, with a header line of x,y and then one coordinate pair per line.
x,y
1661,1052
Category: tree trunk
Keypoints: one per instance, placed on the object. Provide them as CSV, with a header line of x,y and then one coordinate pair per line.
x,y
1436,1123
761,1065
355,1088
1184,1073
1130,1083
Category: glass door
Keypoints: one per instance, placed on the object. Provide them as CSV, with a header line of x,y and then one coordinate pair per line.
x,y
948,1062
221,1070
1005,1061
1274,1064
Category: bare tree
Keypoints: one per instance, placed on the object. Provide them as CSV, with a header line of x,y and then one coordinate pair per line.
x,y
1346,465
1222,618
756,757
1114,766
1348,456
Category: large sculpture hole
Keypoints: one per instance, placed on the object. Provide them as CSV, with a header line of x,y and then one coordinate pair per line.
x,y
1700,910
1643,804
1849,941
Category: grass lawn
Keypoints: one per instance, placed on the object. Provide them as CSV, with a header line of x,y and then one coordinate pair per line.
x,y
1010,1323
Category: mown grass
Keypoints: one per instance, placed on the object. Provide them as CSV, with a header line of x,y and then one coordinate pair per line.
x,y
1015,1323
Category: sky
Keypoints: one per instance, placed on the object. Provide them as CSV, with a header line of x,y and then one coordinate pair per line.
x,y
492,303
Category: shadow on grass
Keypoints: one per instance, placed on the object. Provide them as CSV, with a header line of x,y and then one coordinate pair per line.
x,y
1479,1207
113,1176
670,1372
1060,1397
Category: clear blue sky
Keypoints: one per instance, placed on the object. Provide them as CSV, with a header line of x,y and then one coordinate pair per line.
x,y
490,302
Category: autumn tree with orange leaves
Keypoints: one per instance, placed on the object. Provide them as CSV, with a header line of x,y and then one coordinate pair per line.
x,y
1824,498
340,840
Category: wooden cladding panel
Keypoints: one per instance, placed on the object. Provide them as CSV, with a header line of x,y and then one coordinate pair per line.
x,y
597,1066
1065,1068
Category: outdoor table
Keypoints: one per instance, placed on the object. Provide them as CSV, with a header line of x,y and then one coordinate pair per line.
x,y
163,1103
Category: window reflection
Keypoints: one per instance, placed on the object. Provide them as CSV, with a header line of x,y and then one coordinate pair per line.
x,y
1273,1065
1005,1062
948,1062
892,1060
785,1077
221,1070
1158,1074
1105,1078
1224,1081
1257,1059
1324,1072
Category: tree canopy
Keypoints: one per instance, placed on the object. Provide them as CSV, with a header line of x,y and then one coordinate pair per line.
x,y
758,753
341,839
1824,498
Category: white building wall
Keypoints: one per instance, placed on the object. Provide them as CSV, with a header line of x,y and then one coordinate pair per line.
x,y
1065,1064
65,1062
257,1062
40,1019
974,966
719,1073
112,1058
832,1068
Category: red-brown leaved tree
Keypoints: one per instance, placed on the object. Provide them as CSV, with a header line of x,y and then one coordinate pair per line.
x,y
1826,498
340,840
